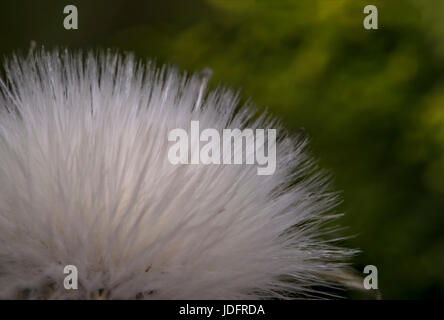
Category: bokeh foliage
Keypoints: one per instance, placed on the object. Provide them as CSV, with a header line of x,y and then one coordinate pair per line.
x,y
372,102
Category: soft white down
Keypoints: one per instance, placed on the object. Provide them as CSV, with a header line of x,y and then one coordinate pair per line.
x,y
85,181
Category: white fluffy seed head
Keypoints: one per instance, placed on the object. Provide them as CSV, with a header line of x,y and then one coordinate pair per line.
x,y
85,180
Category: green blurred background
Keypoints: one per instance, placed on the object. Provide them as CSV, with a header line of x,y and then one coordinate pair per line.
x,y
372,101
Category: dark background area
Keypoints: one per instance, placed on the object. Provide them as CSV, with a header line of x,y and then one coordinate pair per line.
x,y
371,101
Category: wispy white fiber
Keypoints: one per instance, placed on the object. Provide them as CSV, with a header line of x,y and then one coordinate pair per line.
x,y
85,180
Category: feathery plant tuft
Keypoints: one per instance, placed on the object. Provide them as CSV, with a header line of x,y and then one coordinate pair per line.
x,y
85,181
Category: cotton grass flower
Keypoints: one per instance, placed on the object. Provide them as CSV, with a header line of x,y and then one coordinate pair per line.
x,y
85,181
